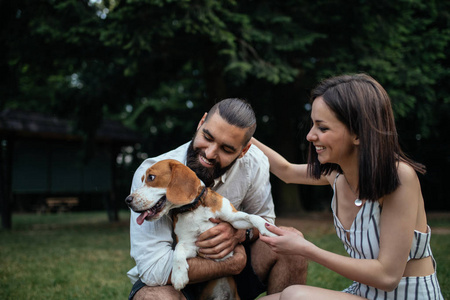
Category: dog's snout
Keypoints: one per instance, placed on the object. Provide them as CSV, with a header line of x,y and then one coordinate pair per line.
x,y
129,200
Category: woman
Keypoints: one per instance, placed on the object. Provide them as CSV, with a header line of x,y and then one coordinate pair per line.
x,y
377,205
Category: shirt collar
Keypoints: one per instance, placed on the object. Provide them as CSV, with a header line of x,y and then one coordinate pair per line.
x,y
221,179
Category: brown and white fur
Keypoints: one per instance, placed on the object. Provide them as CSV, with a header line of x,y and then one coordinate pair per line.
x,y
170,185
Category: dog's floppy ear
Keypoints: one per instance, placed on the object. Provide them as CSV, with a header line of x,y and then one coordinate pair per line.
x,y
183,186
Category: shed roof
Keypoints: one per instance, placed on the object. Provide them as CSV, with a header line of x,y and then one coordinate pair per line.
x,y
20,123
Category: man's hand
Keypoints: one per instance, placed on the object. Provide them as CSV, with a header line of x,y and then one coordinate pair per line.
x,y
220,240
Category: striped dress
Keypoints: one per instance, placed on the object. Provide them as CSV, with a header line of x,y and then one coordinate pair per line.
x,y
364,243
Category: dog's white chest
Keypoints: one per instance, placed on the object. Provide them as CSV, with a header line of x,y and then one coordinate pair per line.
x,y
191,224
187,228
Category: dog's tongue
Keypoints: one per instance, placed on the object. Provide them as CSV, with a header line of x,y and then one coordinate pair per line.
x,y
142,217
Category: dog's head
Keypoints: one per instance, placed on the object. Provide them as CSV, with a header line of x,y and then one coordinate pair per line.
x,y
166,185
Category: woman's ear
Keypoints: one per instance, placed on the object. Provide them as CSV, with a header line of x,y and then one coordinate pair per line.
x,y
356,140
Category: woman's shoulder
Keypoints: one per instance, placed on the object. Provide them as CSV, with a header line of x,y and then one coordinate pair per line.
x,y
409,182
406,173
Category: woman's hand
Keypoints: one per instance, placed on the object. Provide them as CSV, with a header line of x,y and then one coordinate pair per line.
x,y
289,240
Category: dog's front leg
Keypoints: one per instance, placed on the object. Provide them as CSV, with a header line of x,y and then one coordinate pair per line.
x,y
180,266
242,220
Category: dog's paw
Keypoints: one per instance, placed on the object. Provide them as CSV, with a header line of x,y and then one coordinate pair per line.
x,y
180,274
180,279
260,223
266,232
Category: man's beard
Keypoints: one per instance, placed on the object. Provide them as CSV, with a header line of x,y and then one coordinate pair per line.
x,y
207,175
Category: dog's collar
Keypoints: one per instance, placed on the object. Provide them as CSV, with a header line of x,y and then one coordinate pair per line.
x,y
191,206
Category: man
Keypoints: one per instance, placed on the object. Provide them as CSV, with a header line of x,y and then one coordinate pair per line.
x,y
221,155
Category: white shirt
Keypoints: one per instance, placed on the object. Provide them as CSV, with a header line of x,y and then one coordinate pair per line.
x,y
246,185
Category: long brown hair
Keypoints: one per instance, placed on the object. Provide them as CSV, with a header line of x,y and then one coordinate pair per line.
x,y
364,107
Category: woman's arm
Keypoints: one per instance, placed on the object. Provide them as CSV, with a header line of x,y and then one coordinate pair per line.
x,y
286,171
398,221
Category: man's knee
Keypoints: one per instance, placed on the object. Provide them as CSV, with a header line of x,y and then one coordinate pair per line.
x,y
262,258
262,255
293,261
166,292
265,261
295,264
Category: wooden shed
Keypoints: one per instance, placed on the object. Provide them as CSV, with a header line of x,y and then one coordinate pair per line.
x,y
43,168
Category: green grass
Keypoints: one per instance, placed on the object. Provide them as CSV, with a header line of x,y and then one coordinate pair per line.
x,y
65,256
83,256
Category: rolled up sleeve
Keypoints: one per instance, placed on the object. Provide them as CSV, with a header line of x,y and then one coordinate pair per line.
x,y
151,248
258,199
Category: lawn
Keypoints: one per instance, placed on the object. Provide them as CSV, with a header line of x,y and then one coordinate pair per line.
x,y
65,256
83,256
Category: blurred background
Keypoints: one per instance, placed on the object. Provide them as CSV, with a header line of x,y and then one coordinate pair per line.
x,y
92,88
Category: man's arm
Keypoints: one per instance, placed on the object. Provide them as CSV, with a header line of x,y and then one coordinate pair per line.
x,y
203,269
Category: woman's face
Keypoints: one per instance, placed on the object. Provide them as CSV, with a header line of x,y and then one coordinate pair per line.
x,y
333,141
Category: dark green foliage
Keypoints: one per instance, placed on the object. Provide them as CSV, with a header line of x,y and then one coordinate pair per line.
x,y
159,65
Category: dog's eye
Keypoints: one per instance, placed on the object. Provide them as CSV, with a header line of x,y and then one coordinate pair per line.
x,y
150,177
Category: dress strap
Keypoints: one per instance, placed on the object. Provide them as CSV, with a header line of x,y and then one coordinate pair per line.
x,y
335,179
334,200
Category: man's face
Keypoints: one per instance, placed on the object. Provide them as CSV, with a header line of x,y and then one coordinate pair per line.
x,y
215,147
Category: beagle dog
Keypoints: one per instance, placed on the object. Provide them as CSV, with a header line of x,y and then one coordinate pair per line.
x,y
169,185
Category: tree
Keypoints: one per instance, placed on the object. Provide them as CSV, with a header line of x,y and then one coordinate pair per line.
x,y
157,65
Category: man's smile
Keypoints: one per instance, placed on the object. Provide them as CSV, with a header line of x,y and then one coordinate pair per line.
x,y
204,161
